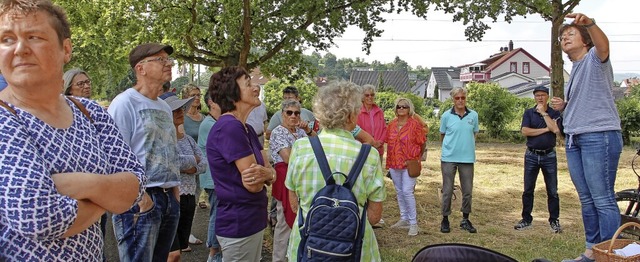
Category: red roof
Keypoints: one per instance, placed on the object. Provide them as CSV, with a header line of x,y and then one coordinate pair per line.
x,y
498,59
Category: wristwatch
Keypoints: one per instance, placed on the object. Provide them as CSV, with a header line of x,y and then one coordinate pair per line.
x,y
593,22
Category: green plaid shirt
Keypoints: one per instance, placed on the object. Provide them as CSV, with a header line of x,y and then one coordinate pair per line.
x,y
305,179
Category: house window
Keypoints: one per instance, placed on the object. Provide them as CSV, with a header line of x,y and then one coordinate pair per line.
x,y
525,67
513,67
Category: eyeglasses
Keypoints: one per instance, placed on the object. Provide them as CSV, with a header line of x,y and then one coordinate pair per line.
x,y
162,60
460,98
291,112
402,107
566,36
369,95
289,97
81,84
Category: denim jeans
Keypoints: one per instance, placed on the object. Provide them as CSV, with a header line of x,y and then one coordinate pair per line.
x,y
465,170
593,162
405,186
212,241
533,163
148,236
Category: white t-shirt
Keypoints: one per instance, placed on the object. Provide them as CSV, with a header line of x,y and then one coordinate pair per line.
x,y
147,126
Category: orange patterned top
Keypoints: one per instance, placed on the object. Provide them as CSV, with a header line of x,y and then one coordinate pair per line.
x,y
404,144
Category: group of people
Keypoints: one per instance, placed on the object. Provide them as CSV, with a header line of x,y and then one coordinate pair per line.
x,y
68,160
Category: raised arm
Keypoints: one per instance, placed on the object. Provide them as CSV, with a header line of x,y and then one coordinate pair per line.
x,y
598,37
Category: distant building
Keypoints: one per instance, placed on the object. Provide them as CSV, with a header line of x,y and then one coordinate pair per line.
x,y
398,80
444,79
514,69
419,89
628,84
258,78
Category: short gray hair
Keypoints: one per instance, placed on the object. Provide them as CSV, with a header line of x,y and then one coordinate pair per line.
x,y
368,87
68,78
290,103
457,90
335,103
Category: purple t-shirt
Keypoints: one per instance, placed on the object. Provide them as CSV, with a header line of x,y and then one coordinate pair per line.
x,y
240,212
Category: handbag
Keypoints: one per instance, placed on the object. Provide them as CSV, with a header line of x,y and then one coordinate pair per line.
x,y
414,167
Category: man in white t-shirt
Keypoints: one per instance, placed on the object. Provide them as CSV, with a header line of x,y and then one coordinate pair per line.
x,y
146,232
257,119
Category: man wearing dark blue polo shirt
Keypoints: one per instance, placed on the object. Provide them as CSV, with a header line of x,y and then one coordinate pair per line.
x,y
540,126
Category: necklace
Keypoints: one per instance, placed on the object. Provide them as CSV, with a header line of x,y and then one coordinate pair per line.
x,y
293,133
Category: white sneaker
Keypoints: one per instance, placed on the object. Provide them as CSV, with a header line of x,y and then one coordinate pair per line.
x,y
381,222
413,230
401,224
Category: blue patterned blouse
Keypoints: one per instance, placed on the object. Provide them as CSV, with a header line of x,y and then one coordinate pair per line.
x,y
33,215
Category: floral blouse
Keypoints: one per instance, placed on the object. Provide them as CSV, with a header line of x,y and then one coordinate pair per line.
x,y
404,144
188,151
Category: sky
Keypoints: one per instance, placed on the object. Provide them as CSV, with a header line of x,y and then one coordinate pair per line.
x,y
439,42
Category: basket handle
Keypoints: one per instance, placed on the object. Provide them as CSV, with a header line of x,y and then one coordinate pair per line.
x,y
615,236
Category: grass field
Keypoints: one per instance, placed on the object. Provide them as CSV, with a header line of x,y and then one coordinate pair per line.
x,y
496,208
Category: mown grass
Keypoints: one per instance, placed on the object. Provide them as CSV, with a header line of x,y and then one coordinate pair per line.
x,y
496,208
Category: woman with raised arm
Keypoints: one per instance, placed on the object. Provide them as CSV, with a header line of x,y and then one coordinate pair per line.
x,y
592,128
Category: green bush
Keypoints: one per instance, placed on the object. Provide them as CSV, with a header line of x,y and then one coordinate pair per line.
x,y
629,111
494,105
386,100
273,94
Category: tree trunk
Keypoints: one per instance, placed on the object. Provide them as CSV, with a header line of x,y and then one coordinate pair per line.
x,y
557,64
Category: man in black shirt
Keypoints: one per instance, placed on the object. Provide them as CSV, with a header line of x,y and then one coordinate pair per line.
x,y
540,126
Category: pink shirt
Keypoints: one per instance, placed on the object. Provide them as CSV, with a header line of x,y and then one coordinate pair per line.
x,y
373,122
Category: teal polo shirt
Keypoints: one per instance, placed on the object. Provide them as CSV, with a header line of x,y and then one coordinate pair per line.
x,y
459,143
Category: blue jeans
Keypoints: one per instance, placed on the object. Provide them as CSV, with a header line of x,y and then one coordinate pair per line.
x,y
212,241
148,236
533,163
593,162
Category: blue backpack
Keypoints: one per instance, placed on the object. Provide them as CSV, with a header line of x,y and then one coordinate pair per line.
x,y
334,228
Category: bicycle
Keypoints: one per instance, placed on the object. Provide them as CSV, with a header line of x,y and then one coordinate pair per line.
x,y
629,200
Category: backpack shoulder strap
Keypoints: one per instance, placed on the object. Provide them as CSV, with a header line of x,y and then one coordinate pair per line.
x,y
82,108
11,110
356,169
321,157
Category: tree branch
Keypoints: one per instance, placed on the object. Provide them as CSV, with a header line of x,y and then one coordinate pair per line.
x,y
569,6
246,33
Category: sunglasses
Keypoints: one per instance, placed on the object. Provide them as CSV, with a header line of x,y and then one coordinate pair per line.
x,y
402,107
460,98
291,112
369,95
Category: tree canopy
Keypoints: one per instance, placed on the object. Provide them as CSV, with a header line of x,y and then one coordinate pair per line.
x,y
216,33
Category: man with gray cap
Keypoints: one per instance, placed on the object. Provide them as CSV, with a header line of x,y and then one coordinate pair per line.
x,y
540,126
146,232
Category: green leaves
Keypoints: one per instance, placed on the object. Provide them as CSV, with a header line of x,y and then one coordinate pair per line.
x,y
216,33
494,105
629,111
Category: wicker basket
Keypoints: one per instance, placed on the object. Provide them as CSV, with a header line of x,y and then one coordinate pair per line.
x,y
603,251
